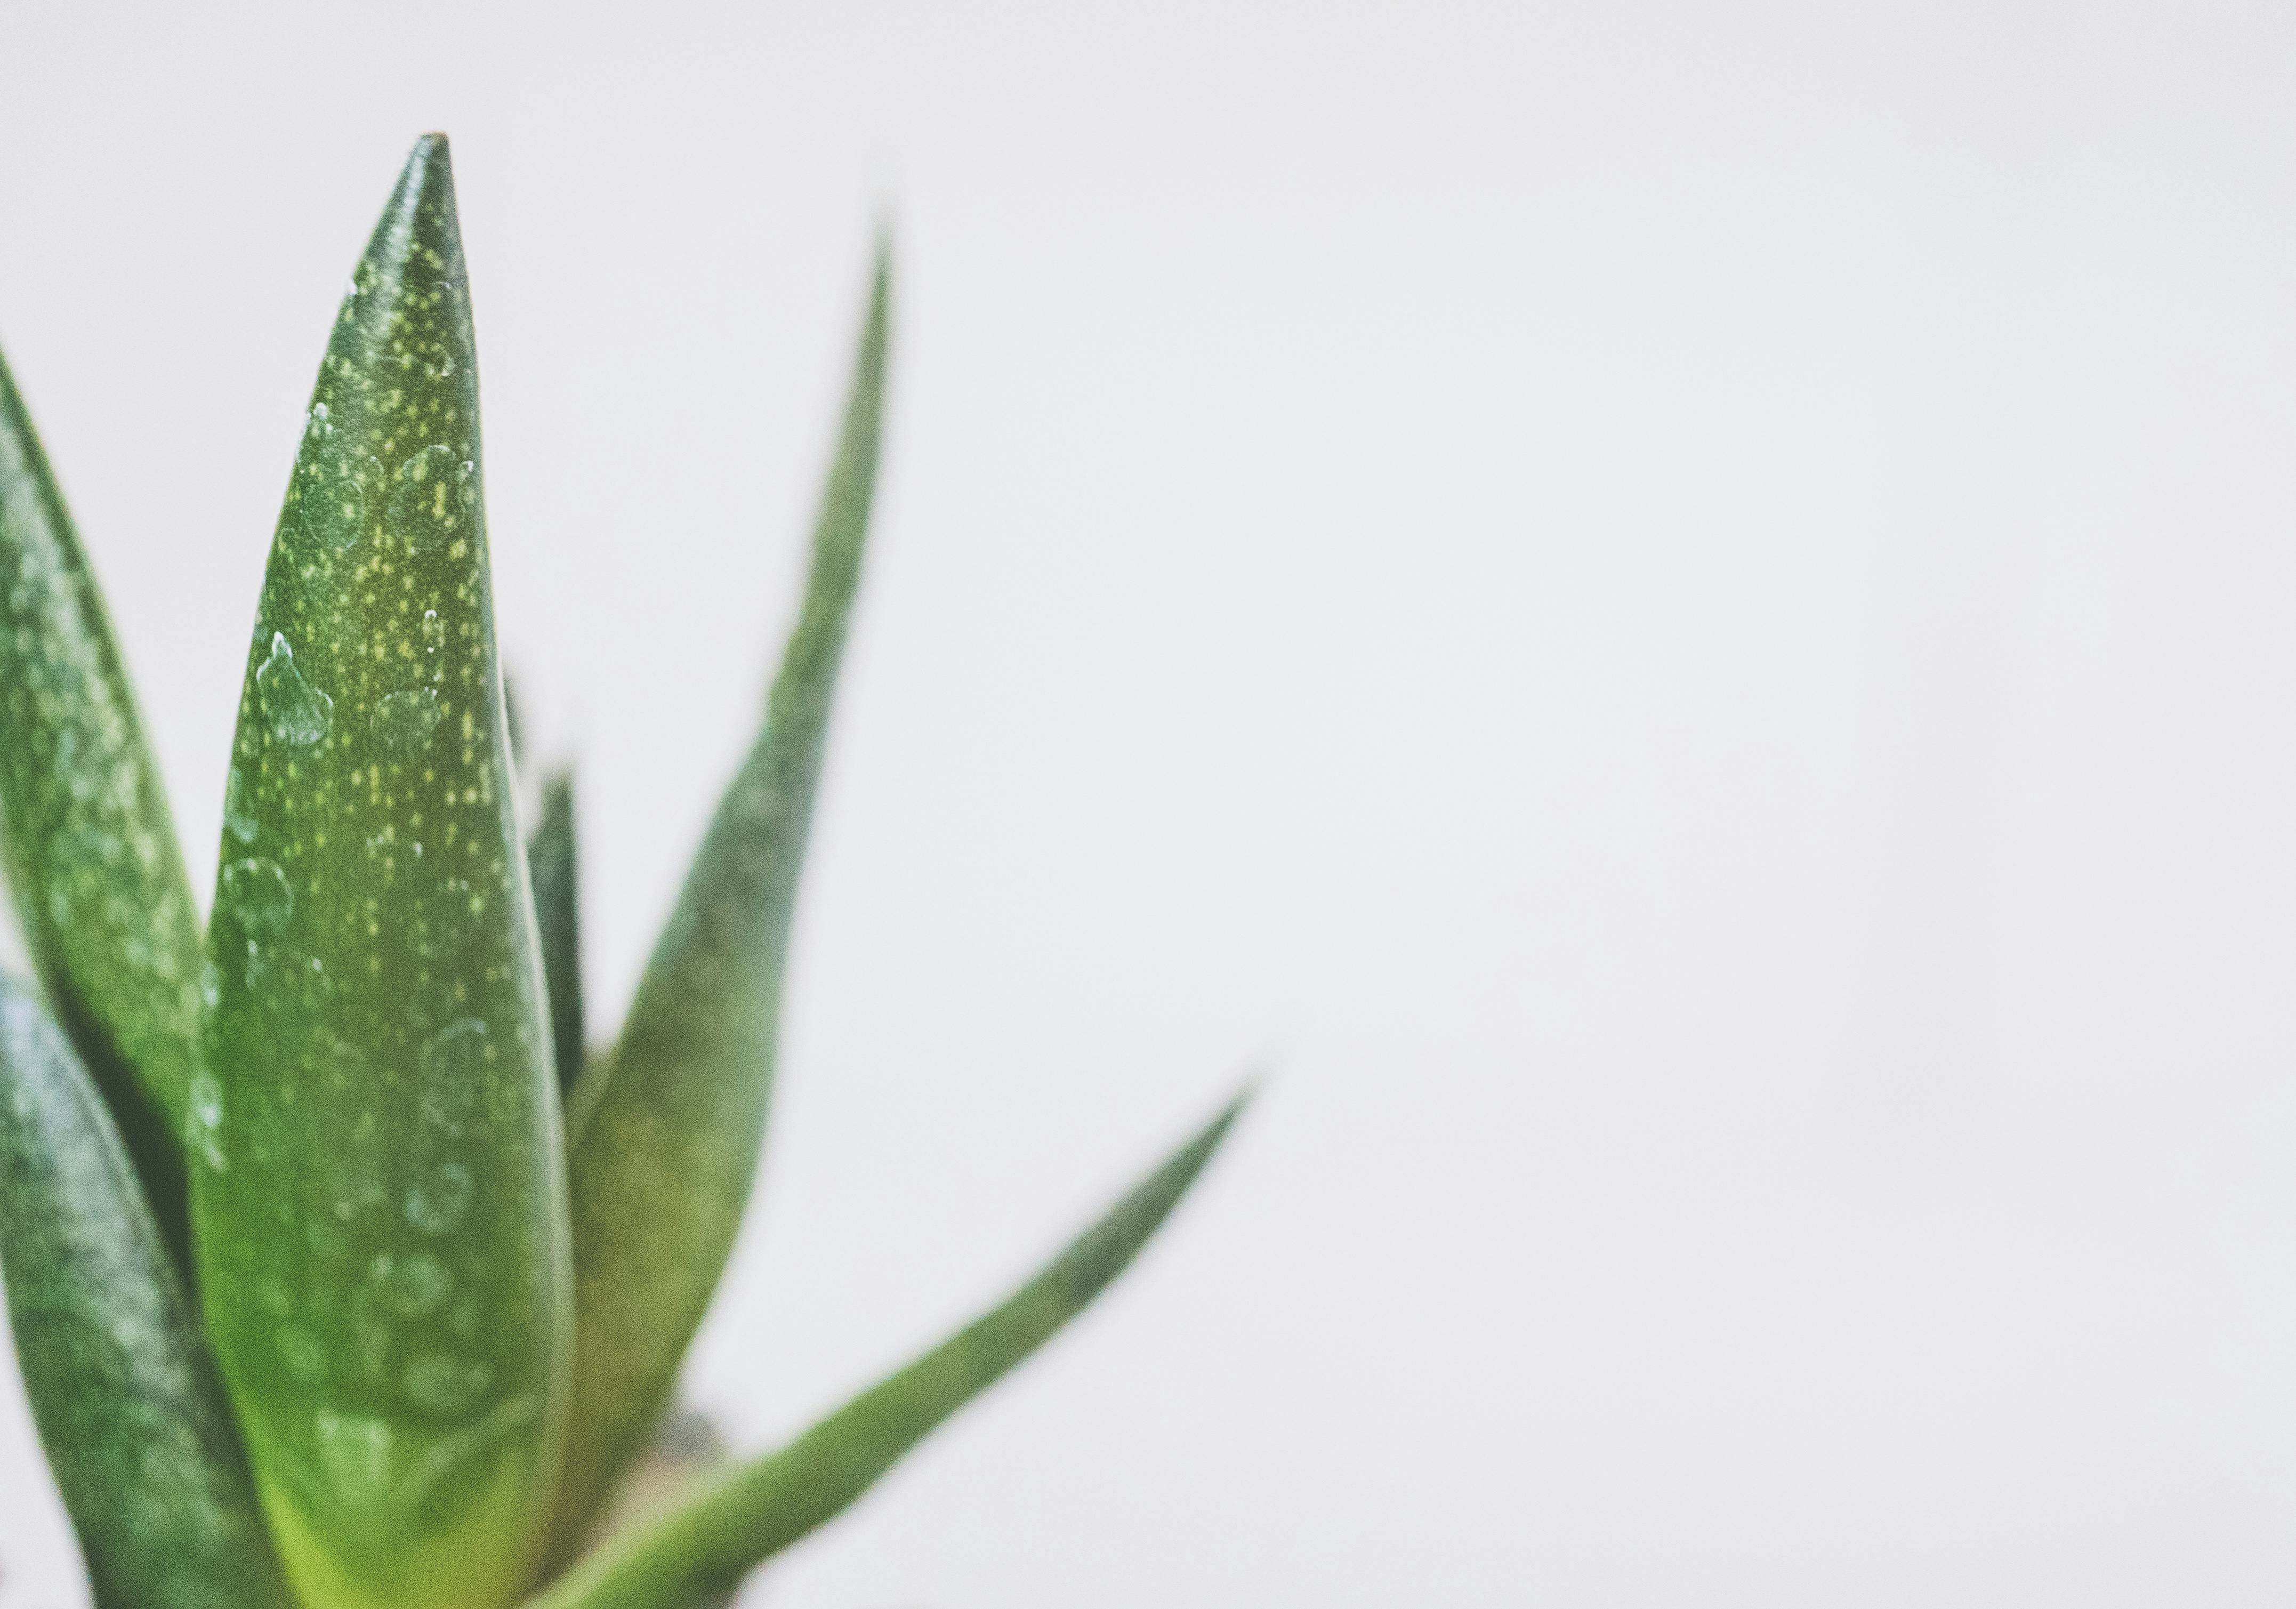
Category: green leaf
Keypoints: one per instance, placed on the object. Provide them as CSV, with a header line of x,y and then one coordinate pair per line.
x,y
663,1135
91,852
121,1387
379,1203
706,1546
516,728
552,865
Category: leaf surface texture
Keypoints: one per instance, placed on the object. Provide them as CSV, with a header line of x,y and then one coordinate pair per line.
x,y
379,1201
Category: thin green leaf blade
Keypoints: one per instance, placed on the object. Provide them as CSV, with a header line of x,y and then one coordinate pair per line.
x,y
664,1134
705,1547
552,862
121,1387
90,849
379,1197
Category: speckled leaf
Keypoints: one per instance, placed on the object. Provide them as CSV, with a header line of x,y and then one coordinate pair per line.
x,y
553,868
379,1201
91,853
663,1134
126,1400
705,1547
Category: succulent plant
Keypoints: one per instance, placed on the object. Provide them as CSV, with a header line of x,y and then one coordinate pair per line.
x,y
342,1272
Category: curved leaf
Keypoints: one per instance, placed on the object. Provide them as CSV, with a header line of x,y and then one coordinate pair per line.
x,y
121,1387
705,1547
379,1197
663,1134
553,867
91,850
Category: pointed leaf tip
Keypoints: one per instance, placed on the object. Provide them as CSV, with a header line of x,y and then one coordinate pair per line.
x,y
428,161
663,1134
553,861
86,834
381,1222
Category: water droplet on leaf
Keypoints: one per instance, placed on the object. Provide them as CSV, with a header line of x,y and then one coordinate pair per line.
x,y
354,1452
439,1202
405,720
239,806
206,1134
332,493
296,712
411,1286
256,892
450,1386
453,1067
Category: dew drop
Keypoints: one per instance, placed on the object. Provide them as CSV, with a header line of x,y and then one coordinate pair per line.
x,y
454,1066
341,1063
354,1452
411,1286
440,1383
206,1126
405,720
441,1199
434,633
435,498
210,985
296,712
332,492
239,806
256,892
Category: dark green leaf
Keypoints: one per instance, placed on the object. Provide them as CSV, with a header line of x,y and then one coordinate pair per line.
x,y
706,1545
91,852
380,1201
125,1396
663,1135
553,865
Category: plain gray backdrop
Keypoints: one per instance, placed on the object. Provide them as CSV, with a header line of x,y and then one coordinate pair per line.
x,y
1677,614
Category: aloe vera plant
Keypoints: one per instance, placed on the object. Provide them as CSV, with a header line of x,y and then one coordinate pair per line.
x,y
343,1270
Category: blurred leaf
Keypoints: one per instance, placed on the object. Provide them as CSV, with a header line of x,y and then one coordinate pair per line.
x,y
379,1201
552,867
705,1547
120,1384
91,852
663,1134
512,724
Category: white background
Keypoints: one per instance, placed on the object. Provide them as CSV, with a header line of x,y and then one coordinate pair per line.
x,y
1678,614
